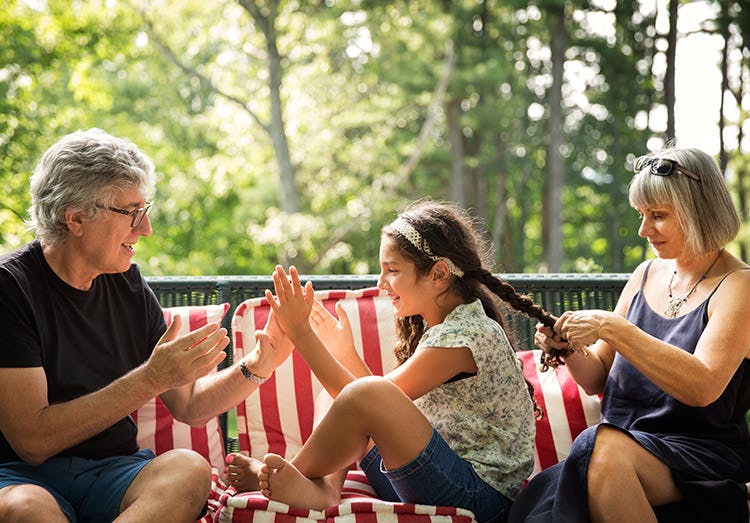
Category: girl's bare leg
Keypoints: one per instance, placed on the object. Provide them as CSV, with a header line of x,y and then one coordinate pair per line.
x,y
368,408
625,480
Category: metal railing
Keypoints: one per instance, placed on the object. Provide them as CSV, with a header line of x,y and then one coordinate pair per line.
x,y
556,293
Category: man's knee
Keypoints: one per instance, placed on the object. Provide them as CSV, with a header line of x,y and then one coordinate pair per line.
x,y
27,503
178,478
181,468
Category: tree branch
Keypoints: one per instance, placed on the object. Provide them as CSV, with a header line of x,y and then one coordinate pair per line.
x,y
429,123
405,171
189,70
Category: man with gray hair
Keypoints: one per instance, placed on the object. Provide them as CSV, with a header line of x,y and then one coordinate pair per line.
x,y
85,344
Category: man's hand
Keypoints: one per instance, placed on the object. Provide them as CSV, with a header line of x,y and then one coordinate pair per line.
x,y
268,354
279,339
272,348
180,360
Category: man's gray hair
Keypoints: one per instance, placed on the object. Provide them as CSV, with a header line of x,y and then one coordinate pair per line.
x,y
82,170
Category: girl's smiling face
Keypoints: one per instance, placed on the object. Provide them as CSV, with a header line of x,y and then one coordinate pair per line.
x,y
410,292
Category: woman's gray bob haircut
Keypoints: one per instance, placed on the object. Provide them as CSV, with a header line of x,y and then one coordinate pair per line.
x,y
82,170
704,209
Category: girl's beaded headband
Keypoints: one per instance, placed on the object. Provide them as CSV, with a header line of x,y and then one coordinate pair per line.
x,y
406,230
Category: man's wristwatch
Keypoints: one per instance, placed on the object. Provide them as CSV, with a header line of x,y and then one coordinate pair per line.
x,y
250,376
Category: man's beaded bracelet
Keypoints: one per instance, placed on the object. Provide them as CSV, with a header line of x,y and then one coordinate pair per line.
x,y
250,376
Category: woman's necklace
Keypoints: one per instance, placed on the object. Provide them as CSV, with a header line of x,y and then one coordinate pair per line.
x,y
673,302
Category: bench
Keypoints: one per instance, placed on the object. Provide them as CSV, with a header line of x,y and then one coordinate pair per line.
x,y
280,416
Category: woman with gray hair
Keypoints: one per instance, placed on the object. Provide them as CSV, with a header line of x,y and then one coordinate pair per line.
x,y
671,364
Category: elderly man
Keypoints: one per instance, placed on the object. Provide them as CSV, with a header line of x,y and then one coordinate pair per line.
x,y
84,343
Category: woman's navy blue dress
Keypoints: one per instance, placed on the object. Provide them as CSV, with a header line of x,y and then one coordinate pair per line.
x,y
706,448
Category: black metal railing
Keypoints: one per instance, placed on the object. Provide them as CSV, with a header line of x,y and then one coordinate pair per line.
x,y
554,292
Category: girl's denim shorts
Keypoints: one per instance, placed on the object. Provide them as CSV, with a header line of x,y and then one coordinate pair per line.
x,y
437,476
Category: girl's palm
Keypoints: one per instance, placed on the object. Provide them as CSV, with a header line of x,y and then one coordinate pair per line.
x,y
292,303
335,334
338,338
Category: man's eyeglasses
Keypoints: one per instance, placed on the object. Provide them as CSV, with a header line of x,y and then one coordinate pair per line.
x,y
663,167
136,215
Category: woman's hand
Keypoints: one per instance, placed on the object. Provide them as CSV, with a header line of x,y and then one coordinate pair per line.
x,y
582,328
547,339
292,304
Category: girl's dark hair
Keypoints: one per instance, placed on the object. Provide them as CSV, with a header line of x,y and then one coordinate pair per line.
x,y
449,231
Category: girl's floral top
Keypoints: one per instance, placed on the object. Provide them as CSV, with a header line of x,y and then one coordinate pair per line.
x,y
487,419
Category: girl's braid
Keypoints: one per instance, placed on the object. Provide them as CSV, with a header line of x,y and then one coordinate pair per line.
x,y
520,302
526,305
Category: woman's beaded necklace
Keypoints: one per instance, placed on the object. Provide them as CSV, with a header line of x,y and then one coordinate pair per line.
x,y
673,302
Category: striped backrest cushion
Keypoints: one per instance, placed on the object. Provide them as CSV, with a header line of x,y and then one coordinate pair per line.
x,y
568,410
280,416
157,429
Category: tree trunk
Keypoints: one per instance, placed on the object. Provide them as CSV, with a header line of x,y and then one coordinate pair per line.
x,y
723,156
742,169
456,147
669,77
555,162
501,238
265,19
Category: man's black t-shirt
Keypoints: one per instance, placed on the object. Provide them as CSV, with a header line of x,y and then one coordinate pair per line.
x,y
84,340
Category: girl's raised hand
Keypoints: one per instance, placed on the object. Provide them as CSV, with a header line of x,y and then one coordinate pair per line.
x,y
336,334
338,337
292,303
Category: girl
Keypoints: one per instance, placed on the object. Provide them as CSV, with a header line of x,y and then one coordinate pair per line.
x,y
453,424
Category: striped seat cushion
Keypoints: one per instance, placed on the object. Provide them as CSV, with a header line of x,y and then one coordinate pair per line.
x,y
568,410
280,416
359,505
158,430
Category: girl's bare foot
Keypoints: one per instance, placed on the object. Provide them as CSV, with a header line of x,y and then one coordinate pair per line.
x,y
280,480
243,472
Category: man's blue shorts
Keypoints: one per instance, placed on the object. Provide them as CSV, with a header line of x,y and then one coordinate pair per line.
x,y
87,490
437,476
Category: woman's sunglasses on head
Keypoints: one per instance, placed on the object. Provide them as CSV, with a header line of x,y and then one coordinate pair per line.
x,y
663,167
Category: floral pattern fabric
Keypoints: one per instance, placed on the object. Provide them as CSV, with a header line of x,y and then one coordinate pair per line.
x,y
487,419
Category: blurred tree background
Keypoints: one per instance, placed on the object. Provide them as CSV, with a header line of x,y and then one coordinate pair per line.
x,y
291,131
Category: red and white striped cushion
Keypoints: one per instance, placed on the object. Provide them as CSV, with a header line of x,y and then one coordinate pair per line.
x,y
358,505
158,430
280,417
568,410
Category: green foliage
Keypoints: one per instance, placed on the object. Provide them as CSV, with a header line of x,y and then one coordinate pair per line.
x,y
188,81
